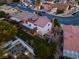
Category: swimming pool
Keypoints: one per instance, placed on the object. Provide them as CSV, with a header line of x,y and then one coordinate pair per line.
x,y
73,20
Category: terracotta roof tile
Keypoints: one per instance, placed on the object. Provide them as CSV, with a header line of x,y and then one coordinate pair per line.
x,y
71,37
39,21
42,21
23,16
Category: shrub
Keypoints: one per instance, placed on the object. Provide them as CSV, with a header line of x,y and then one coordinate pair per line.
x,y
60,11
2,14
16,0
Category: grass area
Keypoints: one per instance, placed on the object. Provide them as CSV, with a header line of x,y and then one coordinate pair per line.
x,y
42,49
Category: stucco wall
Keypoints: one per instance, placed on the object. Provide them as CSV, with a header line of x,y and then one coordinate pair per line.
x,y
45,29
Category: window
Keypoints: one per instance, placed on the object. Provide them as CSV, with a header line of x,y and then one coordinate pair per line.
x,y
29,24
48,29
48,24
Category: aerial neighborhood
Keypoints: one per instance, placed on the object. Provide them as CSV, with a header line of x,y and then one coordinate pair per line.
x,y
39,29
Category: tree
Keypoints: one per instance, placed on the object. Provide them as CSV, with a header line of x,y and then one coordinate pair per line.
x,y
16,0
43,50
7,30
37,2
2,14
23,57
56,23
0,52
37,5
60,11
2,3
77,1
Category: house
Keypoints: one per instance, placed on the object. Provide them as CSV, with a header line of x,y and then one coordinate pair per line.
x,y
71,41
50,6
64,1
6,1
33,21
18,47
26,2
8,9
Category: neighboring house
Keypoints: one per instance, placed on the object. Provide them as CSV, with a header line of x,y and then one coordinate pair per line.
x,y
64,1
25,0
59,5
18,47
6,1
33,21
8,9
49,6
9,1
71,41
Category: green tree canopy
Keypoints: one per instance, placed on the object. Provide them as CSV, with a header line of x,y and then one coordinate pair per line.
x,y
0,52
7,30
2,14
77,1
16,0
56,23
2,3
43,50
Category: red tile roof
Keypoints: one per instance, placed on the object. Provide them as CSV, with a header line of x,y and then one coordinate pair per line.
x,y
23,16
71,37
47,6
59,6
37,20
42,21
